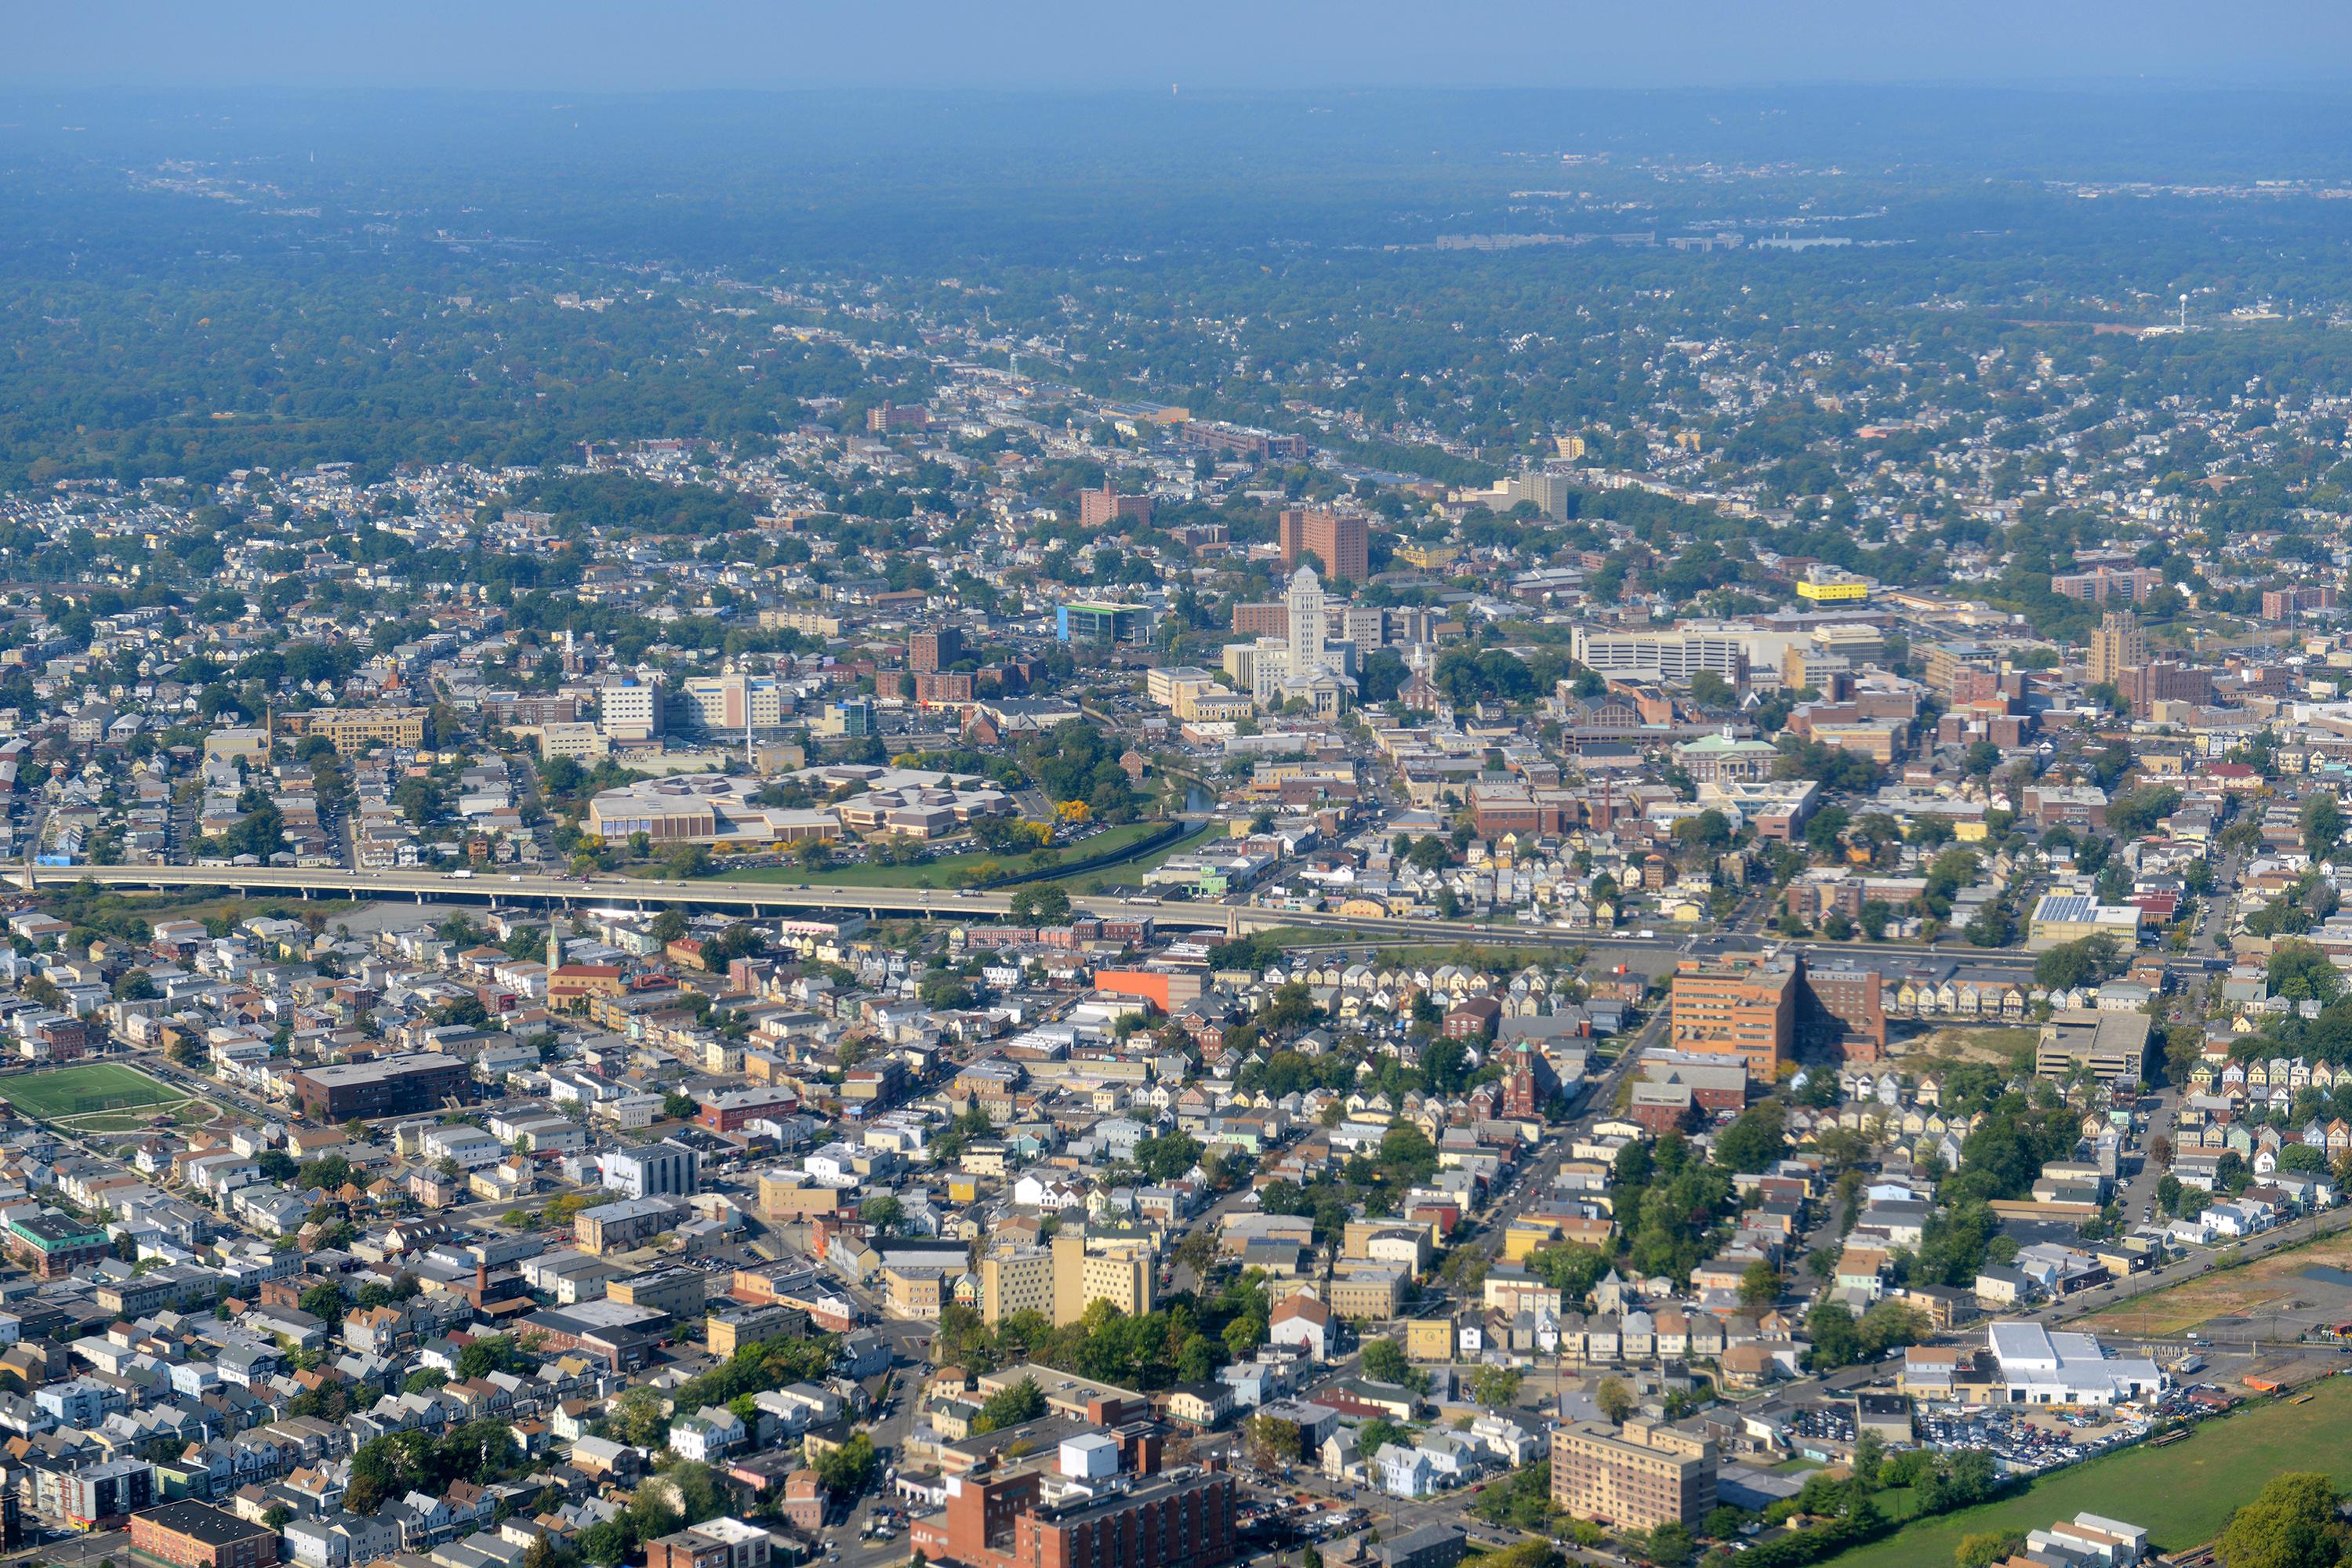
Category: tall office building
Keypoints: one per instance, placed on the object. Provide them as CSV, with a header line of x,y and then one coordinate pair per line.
x,y
1339,542
2118,646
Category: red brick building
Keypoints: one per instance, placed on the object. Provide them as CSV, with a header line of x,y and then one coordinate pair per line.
x,y
1184,1521
198,1535
1340,543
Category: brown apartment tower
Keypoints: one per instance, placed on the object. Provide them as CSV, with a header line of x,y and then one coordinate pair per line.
x,y
1339,542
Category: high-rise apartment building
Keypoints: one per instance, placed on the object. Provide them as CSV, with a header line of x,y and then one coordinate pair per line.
x,y
1099,509
2117,646
935,650
1339,540
1748,1011
1636,1476
1062,1279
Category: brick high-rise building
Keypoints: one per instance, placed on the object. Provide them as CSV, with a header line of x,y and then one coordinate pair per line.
x,y
1262,620
935,650
1098,508
1339,540
1748,1011
1845,1005
1636,1476
1181,1520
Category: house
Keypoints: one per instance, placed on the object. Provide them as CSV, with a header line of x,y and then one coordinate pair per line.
x,y
1404,1472
1301,1319
711,1433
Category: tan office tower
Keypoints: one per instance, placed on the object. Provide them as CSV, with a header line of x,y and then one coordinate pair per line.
x,y
2118,646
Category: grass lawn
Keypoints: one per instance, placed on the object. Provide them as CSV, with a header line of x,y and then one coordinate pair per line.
x,y
941,873
1130,873
2247,1289
2183,1493
82,1089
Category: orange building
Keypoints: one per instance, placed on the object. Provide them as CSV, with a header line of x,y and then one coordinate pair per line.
x,y
1743,1010
1166,989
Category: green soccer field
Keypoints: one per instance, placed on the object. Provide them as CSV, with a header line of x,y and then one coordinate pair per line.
x,y
85,1089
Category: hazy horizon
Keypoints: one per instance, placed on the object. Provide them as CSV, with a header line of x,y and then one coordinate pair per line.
x,y
598,46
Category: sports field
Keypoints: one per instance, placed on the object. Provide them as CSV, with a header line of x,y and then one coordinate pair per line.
x,y
2183,1493
56,1093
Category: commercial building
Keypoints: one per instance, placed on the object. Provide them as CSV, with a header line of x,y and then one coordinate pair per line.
x,y
357,729
611,1227
1431,1546
661,1170
53,1245
1828,586
97,1496
198,1535
1339,542
1673,654
2060,918
2038,1367
678,1292
1744,1010
1636,1476
1101,624
386,1086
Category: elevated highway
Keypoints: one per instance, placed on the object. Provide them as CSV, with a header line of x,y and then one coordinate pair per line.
x,y
766,899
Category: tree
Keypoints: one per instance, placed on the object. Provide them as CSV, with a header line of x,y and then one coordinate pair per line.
x,y
1273,1442
2300,972
1616,1400
1754,1141
883,1214
1986,1547
2323,823
2073,964
850,1468
1496,1387
1385,1363
1837,1342
2292,1525
1670,1544
1041,904
679,1106
1760,1284
1024,1401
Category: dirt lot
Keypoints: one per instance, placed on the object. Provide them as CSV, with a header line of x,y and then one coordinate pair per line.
x,y
2266,1286
1998,1045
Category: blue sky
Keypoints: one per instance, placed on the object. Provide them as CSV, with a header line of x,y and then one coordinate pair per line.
x,y
675,45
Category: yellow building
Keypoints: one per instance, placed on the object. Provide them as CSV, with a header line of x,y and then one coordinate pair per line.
x,y
1123,1276
1828,585
1428,557
1429,1339
356,729
1015,1279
